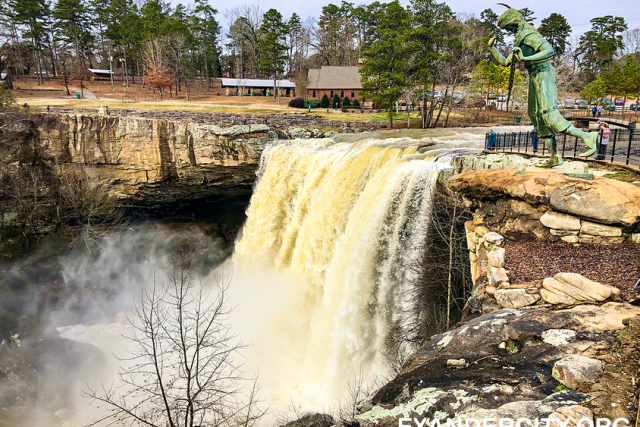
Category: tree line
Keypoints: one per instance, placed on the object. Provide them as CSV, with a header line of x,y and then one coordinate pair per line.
x,y
407,51
416,49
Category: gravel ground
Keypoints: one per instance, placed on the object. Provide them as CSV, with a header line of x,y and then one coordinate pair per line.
x,y
614,265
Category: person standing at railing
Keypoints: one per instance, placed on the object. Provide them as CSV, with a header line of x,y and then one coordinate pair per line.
x,y
603,133
491,139
599,110
594,111
534,140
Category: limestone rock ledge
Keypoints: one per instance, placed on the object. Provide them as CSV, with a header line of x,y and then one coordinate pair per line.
x,y
154,161
551,206
602,200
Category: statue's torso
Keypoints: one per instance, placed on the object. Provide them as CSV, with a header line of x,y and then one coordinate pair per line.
x,y
529,40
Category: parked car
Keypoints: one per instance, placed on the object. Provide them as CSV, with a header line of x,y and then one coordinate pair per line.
x,y
620,102
501,98
42,73
583,104
492,95
436,94
568,102
606,101
594,102
634,107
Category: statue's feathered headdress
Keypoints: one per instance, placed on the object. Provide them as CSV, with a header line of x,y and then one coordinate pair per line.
x,y
511,16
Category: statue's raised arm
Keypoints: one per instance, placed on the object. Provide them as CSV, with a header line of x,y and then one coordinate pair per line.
x,y
536,52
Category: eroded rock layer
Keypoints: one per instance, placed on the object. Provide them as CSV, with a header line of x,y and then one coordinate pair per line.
x,y
153,161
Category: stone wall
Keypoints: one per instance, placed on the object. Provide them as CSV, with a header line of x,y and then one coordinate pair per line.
x,y
541,206
552,206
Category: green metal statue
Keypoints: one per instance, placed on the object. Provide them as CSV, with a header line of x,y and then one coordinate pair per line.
x,y
536,52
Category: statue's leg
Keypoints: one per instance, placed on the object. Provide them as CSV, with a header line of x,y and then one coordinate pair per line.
x,y
556,159
589,139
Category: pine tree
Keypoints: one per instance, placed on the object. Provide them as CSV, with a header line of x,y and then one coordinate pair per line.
x,y
385,65
527,14
324,102
33,14
73,22
600,45
335,102
271,45
207,30
556,30
489,21
346,102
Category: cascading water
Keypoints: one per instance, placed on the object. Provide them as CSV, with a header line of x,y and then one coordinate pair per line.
x,y
344,224
322,275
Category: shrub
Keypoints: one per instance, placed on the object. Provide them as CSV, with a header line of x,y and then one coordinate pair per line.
x,y
356,103
6,97
346,102
297,103
335,103
324,102
314,103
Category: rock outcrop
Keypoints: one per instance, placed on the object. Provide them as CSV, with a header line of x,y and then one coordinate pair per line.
x,y
577,372
602,200
514,362
551,206
153,161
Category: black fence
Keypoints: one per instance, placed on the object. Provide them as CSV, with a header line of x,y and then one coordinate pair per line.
x,y
623,146
620,113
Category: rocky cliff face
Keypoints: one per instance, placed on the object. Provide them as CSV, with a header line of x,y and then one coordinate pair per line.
x,y
149,161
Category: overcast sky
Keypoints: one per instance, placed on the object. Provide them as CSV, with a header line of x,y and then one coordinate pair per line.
x,y
578,12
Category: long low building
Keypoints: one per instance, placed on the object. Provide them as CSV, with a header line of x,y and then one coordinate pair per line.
x,y
257,87
101,74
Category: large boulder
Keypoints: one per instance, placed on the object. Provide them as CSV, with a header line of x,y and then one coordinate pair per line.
x,y
515,298
299,133
558,221
603,200
577,372
570,416
573,289
594,229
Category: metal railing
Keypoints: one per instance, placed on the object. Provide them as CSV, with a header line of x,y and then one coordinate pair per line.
x,y
623,146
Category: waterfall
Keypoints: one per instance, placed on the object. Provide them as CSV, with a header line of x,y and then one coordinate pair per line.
x,y
327,257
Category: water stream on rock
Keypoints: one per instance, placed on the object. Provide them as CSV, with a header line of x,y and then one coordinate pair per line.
x,y
322,270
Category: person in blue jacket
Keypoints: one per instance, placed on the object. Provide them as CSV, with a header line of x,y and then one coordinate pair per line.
x,y
491,139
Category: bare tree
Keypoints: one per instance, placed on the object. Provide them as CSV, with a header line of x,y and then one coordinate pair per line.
x,y
631,42
184,370
157,74
355,392
29,191
300,79
244,23
87,208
